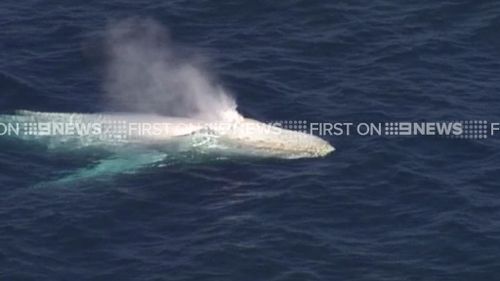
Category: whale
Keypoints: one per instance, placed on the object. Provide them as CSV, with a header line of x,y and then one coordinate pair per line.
x,y
135,140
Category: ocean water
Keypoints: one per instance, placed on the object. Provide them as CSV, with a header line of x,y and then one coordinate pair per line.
x,y
378,208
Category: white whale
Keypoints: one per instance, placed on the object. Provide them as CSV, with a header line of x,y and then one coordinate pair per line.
x,y
136,140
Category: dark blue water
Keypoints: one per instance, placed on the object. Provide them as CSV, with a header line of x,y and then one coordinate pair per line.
x,y
379,208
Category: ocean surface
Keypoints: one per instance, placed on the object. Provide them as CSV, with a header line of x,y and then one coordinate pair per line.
x,y
378,208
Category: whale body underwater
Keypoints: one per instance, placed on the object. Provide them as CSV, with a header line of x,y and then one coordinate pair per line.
x,y
133,140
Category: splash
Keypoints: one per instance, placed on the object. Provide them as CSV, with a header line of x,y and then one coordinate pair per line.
x,y
147,72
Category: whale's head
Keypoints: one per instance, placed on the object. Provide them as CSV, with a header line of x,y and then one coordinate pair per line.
x,y
267,139
303,145
320,148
